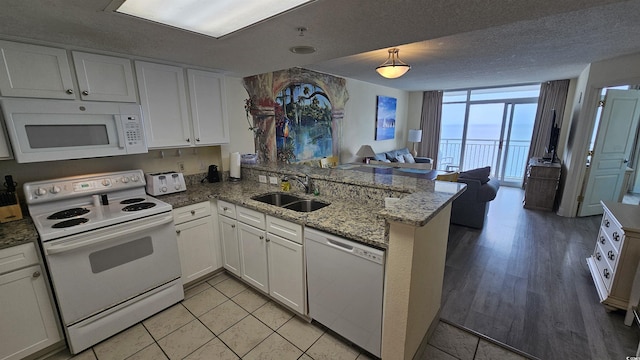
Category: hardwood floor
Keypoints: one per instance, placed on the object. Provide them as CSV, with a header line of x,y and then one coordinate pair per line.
x,y
523,280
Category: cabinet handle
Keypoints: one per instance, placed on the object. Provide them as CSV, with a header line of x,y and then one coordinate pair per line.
x,y
188,139
602,240
225,208
606,223
198,139
616,236
69,91
598,256
261,237
193,212
178,232
268,240
36,274
85,92
233,226
611,255
606,273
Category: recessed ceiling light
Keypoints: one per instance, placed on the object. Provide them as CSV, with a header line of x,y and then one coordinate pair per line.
x,y
302,49
209,17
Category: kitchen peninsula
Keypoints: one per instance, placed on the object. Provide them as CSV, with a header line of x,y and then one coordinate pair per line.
x,y
413,232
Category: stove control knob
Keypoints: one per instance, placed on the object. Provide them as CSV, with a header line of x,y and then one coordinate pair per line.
x,y
178,186
41,191
135,178
124,179
163,189
106,182
55,189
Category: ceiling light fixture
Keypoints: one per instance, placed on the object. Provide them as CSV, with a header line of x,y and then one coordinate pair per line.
x,y
213,18
394,67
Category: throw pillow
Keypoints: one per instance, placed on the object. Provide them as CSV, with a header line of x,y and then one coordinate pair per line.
x,y
391,155
481,174
380,157
400,159
408,158
453,177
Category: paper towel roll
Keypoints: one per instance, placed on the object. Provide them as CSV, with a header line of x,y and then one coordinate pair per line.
x,y
234,165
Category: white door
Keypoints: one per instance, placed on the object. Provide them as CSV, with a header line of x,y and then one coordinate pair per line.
x,y
35,71
197,253
208,107
613,145
28,320
164,105
104,78
286,272
253,256
230,245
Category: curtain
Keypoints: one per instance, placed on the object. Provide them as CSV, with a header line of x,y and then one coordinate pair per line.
x,y
553,96
430,124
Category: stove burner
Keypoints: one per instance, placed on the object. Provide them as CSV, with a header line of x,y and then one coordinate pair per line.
x,y
69,213
131,201
138,206
70,223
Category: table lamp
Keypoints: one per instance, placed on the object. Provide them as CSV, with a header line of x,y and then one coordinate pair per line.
x,y
366,152
415,136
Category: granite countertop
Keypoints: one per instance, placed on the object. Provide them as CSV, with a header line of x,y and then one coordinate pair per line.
x,y
17,232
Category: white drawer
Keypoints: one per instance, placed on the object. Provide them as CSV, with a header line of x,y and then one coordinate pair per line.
x,y
250,217
286,229
191,212
604,269
17,257
226,209
613,230
608,249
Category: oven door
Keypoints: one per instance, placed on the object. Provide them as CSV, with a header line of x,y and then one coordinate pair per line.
x,y
96,270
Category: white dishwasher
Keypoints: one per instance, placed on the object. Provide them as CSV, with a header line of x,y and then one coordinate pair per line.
x,y
345,286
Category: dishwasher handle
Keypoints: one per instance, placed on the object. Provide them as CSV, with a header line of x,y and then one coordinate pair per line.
x,y
340,245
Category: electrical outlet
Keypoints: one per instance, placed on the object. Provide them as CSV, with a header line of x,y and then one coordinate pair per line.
x,y
273,180
203,166
262,179
180,166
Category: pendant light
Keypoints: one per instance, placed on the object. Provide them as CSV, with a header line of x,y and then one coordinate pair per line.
x,y
394,67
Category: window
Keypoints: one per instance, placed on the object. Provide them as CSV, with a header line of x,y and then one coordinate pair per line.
x,y
488,127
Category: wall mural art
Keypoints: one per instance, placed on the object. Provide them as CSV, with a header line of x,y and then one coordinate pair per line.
x,y
386,118
295,114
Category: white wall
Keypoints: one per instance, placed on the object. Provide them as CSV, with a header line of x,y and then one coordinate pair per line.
x,y
358,127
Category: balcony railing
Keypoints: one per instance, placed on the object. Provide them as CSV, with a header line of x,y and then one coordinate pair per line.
x,y
482,152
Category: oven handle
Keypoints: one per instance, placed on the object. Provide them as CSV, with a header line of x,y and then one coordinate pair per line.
x,y
118,120
57,249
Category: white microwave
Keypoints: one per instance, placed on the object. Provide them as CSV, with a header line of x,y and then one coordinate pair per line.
x,y
47,130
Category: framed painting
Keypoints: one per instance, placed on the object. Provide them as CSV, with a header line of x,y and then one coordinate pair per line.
x,y
385,118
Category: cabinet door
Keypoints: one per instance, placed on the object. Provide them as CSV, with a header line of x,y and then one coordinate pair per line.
x,y
230,245
104,78
5,153
197,252
208,107
164,105
286,272
253,256
28,321
34,71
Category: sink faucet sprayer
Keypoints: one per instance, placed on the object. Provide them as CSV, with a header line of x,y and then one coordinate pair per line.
x,y
306,183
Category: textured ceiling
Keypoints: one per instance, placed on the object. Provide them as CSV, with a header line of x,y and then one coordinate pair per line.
x,y
450,45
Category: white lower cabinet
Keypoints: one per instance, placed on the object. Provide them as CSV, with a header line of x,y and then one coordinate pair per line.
x,y
266,252
229,237
198,242
286,273
28,322
253,256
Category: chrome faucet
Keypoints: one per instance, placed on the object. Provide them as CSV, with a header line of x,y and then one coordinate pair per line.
x,y
306,183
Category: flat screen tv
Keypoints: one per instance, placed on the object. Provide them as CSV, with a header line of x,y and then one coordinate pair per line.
x,y
552,145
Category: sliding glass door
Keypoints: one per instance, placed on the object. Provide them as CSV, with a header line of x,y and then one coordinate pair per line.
x,y
488,129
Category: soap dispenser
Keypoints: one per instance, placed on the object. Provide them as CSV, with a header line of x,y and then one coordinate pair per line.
x,y
284,184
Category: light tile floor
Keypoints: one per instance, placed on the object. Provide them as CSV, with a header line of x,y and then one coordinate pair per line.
x,y
223,318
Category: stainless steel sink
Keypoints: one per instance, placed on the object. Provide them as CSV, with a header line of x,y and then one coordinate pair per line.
x,y
306,205
291,202
277,199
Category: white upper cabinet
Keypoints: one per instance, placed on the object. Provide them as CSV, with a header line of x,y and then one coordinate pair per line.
x,y
35,71
104,78
164,105
208,107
